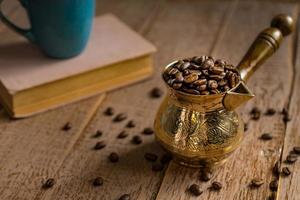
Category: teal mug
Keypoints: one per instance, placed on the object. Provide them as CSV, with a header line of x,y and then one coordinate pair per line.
x,y
61,28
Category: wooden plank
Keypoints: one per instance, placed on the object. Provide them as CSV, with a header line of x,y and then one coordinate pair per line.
x,y
271,84
174,21
289,188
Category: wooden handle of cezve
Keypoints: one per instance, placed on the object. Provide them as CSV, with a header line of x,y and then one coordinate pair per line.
x,y
266,43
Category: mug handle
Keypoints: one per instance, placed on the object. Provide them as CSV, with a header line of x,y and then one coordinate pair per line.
x,y
24,32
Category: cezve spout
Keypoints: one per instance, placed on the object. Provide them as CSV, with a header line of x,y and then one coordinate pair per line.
x,y
237,96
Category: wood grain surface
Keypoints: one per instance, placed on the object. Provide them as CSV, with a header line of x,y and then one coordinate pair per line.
x,y
36,148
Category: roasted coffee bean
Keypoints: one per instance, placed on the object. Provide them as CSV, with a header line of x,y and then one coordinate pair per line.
x,y
212,84
270,112
98,134
198,72
291,158
220,63
125,197
185,65
166,158
136,139
229,67
216,185
157,167
276,169
255,113
205,175
232,80
202,87
156,92
208,63
120,117
186,72
200,82
176,86
113,157
296,150
190,78
49,183
191,91
194,66
98,181
256,182
130,124
205,72
216,70
148,131
286,171
173,71
266,136
216,77
109,111
67,126
99,145
194,189
122,134
178,77
171,82
150,157
273,185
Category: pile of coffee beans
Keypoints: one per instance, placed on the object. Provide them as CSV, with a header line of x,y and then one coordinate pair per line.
x,y
202,75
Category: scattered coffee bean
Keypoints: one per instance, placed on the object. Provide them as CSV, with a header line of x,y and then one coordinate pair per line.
x,y
270,112
130,124
201,75
49,183
157,167
122,134
98,181
255,113
273,185
125,197
98,134
291,158
99,145
120,117
166,158
148,131
150,157
276,169
113,157
266,136
286,171
137,139
296,150
109,111
194,189
205,175
156,92
216,185
257,182
67,126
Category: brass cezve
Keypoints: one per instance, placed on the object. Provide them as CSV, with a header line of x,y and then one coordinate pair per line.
x,y
203,130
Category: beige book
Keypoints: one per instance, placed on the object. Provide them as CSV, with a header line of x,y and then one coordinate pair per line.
x,y
31,83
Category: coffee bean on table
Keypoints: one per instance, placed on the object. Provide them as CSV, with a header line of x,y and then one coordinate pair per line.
x,y
216,185
166,158
67,126
205,175
195,190
296,149
122,134
257,182
148,131
156,92
125,197
98,134
276,168
113,157
273,185
130,124
109,111
49,183
120,117
291,158
266,136
255,113
150,157
99,145
157,167
286,171
98,181
136,139
270,112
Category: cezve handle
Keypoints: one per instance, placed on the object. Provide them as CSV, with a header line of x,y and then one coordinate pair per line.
x,y
266,43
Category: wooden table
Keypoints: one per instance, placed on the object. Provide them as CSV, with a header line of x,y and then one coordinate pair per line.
x,y
34,149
